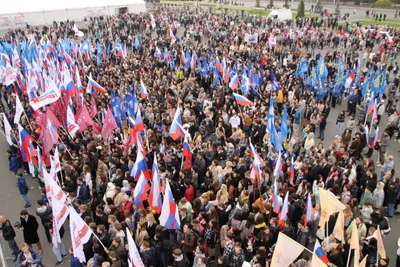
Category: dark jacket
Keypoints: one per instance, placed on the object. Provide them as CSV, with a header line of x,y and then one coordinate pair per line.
x,y
182,263
13,163
30,230
74,262
22,186
45,216
8,230
83,193
37,259
149,258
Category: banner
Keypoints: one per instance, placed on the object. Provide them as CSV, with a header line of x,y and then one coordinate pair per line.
x,y
48,97
96,12
251,38
12,22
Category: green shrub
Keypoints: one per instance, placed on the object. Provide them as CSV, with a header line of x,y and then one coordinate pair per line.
x,y
300,10
383,4
357,2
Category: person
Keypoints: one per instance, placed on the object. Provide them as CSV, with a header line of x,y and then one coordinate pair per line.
x,y
322,126
384,143
45,213
23,189
9,235
82,191
236,257
74,261
29,226
340,124
28,257
180,259
59,248
13,164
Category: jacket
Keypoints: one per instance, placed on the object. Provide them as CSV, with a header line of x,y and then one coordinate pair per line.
x,y
8,230
22,186
302,237
74,262
37,259
30,230
13,163
236,260
83,193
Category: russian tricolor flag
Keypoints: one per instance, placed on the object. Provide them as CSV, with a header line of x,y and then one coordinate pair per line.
x,y
371,105
234,83
309,211
154,199
253,153
241,100
291,172
53,132
319,251
193,60
276,203
376,138
138,127
70,86
93,85
176,129
139,167
285,208
169,217
140,192
143,90
26,144
187,154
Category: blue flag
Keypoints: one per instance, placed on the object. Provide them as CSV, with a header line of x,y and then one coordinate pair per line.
x,y
284,126
137,43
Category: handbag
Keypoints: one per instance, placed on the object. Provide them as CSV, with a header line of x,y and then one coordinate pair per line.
x,y
377,146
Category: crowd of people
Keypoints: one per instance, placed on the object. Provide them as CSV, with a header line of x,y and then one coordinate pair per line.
x,y
227,218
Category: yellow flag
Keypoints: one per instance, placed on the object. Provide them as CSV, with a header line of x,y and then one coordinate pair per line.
x,y
355,243
338,231
329,205
364,262
281,257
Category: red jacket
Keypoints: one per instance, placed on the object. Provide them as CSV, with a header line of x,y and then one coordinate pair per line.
x,y
189,193
124,207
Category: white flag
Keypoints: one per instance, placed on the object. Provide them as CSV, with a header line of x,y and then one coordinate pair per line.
x,y
338,231
60,214
134,255
378,236
355,243
281,257
71,124
51,95
19,109
251,38
52,188
55,161
80,234
7,130
329,205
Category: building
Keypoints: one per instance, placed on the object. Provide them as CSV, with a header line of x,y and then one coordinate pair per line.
x,y
18,13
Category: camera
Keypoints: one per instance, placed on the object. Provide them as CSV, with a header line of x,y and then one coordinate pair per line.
x,y
17,225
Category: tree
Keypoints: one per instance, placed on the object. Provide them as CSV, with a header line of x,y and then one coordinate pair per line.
x,y
300,9
337,9
318,7
384,4
271,4
357,2
258,3
286,5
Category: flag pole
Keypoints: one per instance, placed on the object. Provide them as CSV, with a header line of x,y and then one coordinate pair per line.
x,y
348,257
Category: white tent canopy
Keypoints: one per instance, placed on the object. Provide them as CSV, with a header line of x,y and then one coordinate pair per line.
x,y
13,12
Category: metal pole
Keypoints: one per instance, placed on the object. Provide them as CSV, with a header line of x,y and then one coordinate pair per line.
x,y
3,254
